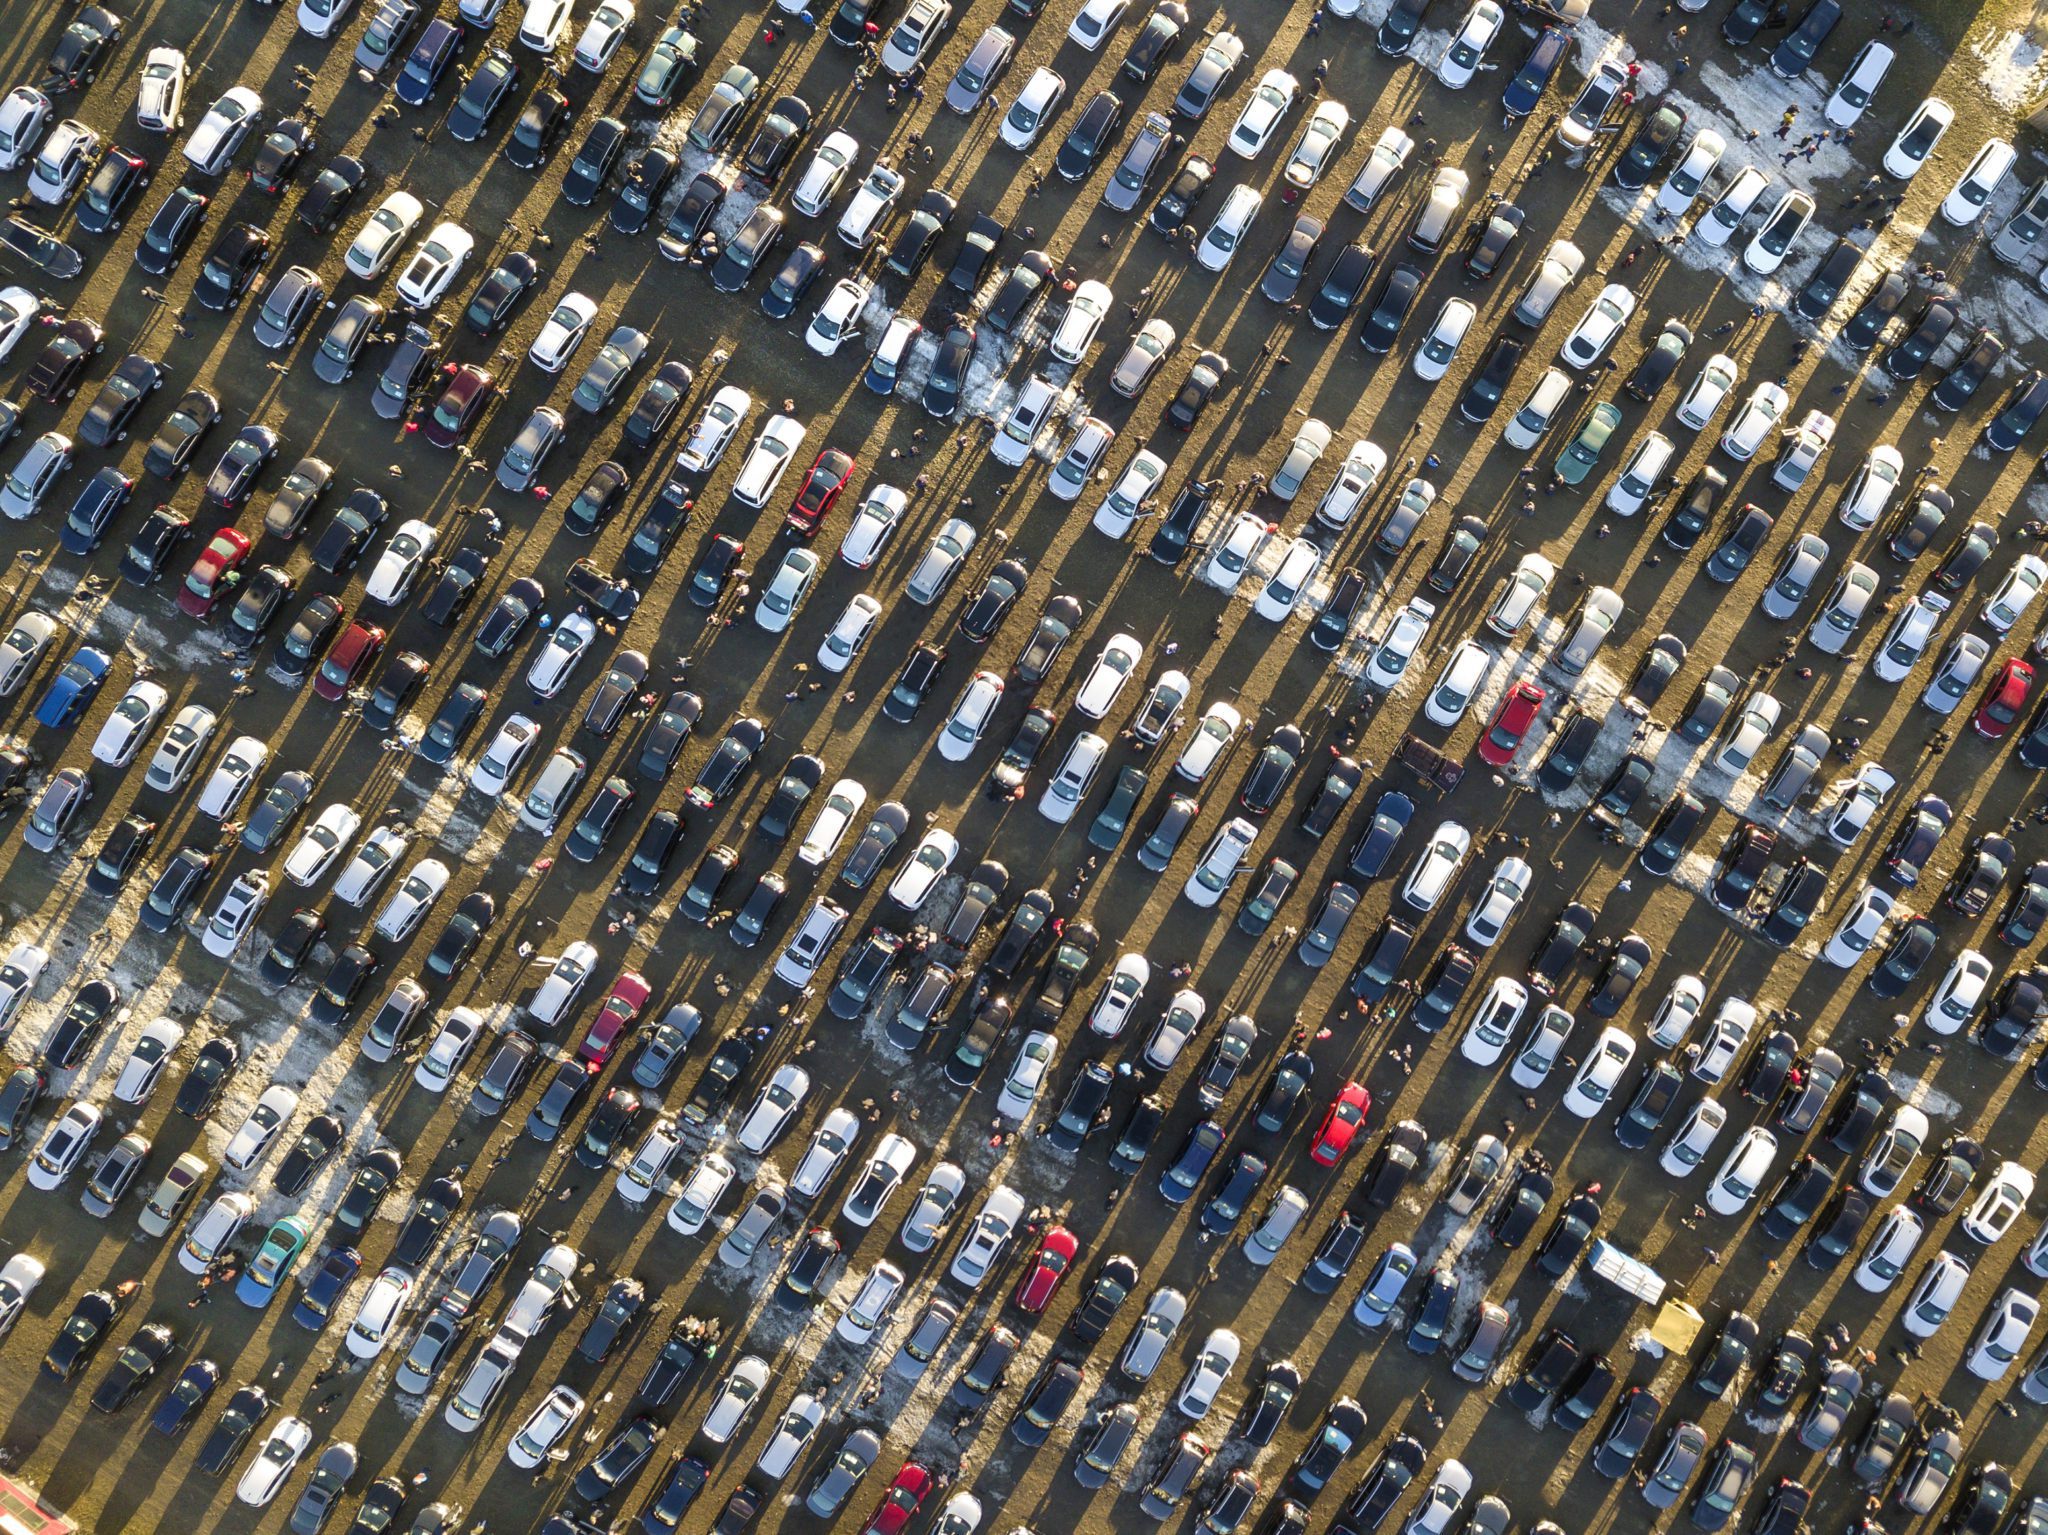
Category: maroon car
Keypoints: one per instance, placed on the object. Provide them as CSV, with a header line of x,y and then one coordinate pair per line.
x,y
463,400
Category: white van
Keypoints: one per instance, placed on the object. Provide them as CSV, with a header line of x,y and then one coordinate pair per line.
x,y
552,791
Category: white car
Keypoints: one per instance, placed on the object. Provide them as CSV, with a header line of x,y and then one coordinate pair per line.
x,y
221,131
2016,593
1389,155
1834,624
849,635
1106,679
1598,327
1934,1298
1207,1374
768,460
1120,995
1271,100
1742,1172
825,172
18,1281
1753,728
373,863
1078,327
1356,478
276,1458
1688,1147
60,165
1979,182
1916,141
1458,684
1802,449
925,867
1071,474
2003,1201
1859,802
885,363
914,36
870,205
1461,59
1038,404
786,590
236,914
1231,555
433,268
649,1165
321,844
209,1235
544,1427
565,646
544,24
877,516
24,115
1594,1086
1404,637
835,818
399,565
1871,489
378,1312
986,1240
383,233
1717,226
1438,866
1094,22
1906,641
563,332
1889,1250
492,775
1497,903
1316,150
1641,474
1025,1083
1755,423
2002,1335
1675,197
773,1109
1439,348
1299,565
177,754
970,718
829,1146
1780,230
744,1385
1228,229
1958,671
1303,454
714,430
1221,862
1520,594
260,1128
33,633
319,18
63,1146
602,35
1071,780
121,737
1734,1021
1542,1048
1859,928
19,973
412,900
1032,109
1858,85
453,1043
894,1157
839,316
697,1200
1682,1005
869,1310
1961,992
1129,498
1493,1024
1209,740
1709,392
1178,1024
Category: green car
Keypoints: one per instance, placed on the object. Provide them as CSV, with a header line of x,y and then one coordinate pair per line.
x,y
1582,454
272,1265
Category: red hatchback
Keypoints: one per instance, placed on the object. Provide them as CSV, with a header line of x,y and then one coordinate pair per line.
x,y
901,1502
1056,1252
822,486
1340,1126
2003,699
214,574
351,656
1511,720
463,399
614,1021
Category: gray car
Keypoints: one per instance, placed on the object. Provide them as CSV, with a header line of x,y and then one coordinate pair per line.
x,y
1797,572
288,305
1154,1332
748,1232
1141,161
835,1484
63,797
989,57
926,1336
1684,1447
331,1476
520,465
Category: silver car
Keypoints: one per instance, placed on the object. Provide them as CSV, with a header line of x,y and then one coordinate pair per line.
x,y
1149,1339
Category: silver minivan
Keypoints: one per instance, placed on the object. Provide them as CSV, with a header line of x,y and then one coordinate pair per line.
x,y
553,790
1598,614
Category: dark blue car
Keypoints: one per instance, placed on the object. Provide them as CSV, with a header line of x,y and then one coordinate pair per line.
x,y
73,689
1526,89
1184,1174
429,62
1374,849
325,1290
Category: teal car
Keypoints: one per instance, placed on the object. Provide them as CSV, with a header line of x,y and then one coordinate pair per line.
x,y
1582,454
273,1263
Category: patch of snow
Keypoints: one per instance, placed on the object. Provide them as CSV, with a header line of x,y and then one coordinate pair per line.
x,y
2011,68
1643,1343
1923,1096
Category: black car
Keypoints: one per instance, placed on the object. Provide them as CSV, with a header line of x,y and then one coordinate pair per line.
x,y
490,307
1290,263
2026,909
776,139
977,250
1392,300
1908,358
641,192
428,63
1794,903
694,211
293,945
93,513
1818,293
1022,291
593,162
81,48
1342,286
1176,205
1569,1234
1533,76
1491,237
1334,1255
948,376
618,1311
748,249
541,125
1560,948
121,174
2024,406
786,289
176,888
1546,1366
616,1463
397,685
1087,1094
372,1180
1336,1439
1868,323
920,233
125,847
1483,394
353,970
1176,530
1967,374
1397,33
332,192
1400,1462
1442,988
1652,145
1726,1355
171,231
800,779
231,266
85,1015
1627,1433
1790,59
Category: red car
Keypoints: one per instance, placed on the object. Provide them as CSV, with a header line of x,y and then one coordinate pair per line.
x,y
351,656
1056,1252
822,486
615,1020
1511,720
2003,699
901,1502
214,575
1340,1126
468,391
